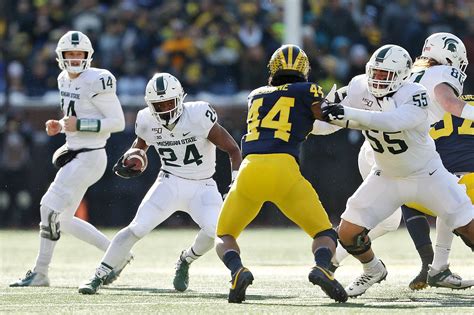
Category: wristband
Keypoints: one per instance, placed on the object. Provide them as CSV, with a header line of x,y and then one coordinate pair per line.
x,y
467,112
88,125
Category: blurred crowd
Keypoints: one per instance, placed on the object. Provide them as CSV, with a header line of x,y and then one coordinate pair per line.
x,y
220,47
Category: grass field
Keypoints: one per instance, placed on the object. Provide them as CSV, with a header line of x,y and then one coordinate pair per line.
x,y
280,260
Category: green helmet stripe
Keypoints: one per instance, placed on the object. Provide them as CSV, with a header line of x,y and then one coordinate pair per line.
x,y
160,86
381,55
75,38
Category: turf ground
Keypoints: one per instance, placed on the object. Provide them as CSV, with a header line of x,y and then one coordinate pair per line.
x,y
280,260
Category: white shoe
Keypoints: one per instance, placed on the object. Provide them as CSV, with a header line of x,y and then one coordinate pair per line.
x,y
115,273
366,280
32,279
444,278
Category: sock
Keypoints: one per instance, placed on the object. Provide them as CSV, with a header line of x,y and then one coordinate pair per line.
x,y
120,247
189,255
202,244
85,232
444,239
370,265
103,270
322,257
45,255
417,225
426,255
232,261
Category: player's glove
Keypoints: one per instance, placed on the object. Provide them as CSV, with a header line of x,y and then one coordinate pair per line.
x,y
332,112
125,171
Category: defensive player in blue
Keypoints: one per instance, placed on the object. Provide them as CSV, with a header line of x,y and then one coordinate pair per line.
x,y
280,117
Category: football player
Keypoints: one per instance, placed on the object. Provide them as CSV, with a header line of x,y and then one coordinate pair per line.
x,y
92,111
393,114
185,135
440,69
280,117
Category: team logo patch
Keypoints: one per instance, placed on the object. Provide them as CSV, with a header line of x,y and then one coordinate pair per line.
x,y
450,44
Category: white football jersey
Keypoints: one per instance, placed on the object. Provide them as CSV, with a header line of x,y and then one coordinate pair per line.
x,y
430,78
76,100
401,153
184,151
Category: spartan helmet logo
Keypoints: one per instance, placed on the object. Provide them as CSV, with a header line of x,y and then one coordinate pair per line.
x,y
450,44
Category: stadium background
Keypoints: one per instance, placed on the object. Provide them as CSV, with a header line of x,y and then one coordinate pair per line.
x,y
219,50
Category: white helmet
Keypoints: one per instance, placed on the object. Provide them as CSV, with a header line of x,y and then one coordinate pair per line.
x,y
164,87
393,59
74,41
447,49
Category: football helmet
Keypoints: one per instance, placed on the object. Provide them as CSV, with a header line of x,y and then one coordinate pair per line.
x,y
387,70
447,49
289,60
164,87
74,41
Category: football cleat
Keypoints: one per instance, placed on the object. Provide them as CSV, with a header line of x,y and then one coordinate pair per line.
x,y
420,282
115,273
324,278
366,280
32,279
239,283
444,278
92,286
181,276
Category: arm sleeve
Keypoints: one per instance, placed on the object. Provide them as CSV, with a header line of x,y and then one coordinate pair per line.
x,y
322,128
109,106
405,117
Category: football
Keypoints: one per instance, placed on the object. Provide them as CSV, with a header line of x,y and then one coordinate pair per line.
x,y
137,158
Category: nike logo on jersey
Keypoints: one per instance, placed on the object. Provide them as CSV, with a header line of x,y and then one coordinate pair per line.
x,y
185,134
431,173
78,88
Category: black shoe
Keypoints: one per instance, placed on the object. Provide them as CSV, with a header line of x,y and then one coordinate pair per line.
x,y
239,283
323,278
420,281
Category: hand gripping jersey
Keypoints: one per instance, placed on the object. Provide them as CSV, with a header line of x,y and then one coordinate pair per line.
x,y
397,153
280,118
184,151
78,99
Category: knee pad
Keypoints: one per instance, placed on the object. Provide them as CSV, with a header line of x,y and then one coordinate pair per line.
x,y
331,233
50,230
361,244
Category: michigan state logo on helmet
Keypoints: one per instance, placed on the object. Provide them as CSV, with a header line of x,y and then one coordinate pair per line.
x,y
446,49
289,60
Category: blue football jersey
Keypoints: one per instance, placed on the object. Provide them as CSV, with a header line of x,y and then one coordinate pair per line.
x,y
454,139
280,118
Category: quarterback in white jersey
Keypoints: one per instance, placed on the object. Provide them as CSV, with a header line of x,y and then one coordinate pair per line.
x,y
185,135
393,115
91,112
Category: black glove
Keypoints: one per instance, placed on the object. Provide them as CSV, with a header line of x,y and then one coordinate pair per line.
x,y
125,171
332,112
